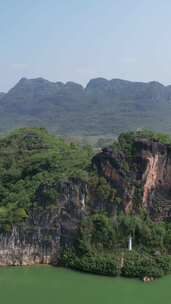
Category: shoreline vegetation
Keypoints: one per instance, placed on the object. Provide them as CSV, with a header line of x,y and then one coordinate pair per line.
x,y
129,265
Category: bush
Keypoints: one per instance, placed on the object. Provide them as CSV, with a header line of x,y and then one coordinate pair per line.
x,y
97,264
136,265
164,263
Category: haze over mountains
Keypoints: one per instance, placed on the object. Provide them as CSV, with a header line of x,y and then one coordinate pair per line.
x,y
103,107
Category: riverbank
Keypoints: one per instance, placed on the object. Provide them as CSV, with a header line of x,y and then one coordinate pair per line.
x,y
131,264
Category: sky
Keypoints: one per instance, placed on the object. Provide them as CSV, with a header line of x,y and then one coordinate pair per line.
x,y
77,40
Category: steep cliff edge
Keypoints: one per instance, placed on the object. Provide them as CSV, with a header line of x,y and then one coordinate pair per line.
x,y
48,229
56,196
41,196
142,176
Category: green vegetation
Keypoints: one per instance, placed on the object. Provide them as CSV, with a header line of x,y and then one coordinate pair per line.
x,y
98,264
30,159
33,165
125,141
102,241
141,265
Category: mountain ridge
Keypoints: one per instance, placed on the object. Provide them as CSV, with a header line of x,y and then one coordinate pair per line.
x,y
100,108
26,79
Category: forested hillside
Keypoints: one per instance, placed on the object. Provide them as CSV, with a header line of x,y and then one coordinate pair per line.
x,y
67,205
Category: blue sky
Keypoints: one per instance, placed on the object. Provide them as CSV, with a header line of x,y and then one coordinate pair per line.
x,y
82,39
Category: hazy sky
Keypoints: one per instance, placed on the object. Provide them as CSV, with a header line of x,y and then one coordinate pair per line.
x,y
82,39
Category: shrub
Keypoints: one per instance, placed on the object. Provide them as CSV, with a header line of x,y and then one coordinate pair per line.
x,y
136,265
97,264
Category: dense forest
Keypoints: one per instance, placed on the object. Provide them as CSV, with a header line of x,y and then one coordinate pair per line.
x,y
35,168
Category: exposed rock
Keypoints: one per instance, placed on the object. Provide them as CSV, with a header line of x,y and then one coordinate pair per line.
x,y
148,280
52,227
40,239
150,171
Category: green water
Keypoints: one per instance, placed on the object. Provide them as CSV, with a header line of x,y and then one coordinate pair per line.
x,y
40,285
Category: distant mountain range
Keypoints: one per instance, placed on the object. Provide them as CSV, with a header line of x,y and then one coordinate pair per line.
x,y
103,107
1,94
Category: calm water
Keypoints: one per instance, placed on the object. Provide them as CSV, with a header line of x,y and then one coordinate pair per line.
x,y
40,285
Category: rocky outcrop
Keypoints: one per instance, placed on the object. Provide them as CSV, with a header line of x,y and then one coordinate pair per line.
x,y
148,279
48,229
149,176
25,247
142,181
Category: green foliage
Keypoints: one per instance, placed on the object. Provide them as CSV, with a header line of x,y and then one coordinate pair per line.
x,y
102,188
125,144
97,264
140,265
33,164
103,232
126,140
30,159
162,138
100,236
167,237
96,232
146,234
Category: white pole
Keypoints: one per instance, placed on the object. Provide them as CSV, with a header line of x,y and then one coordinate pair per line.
x,y
130,243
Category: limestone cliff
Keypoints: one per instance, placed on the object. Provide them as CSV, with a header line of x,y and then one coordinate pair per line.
x,y
147,182
125,179
40,239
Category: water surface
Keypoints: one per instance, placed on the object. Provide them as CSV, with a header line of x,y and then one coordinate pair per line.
x,y
48,285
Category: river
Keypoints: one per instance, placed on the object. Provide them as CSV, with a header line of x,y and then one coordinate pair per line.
x,y
48,285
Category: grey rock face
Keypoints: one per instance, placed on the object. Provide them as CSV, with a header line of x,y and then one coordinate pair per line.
x,y
47,231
